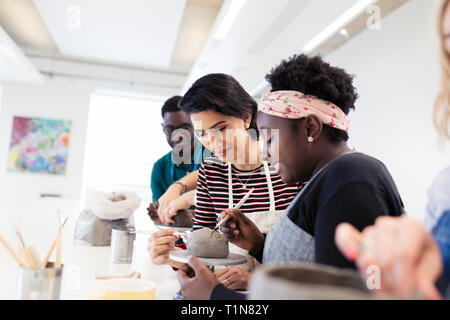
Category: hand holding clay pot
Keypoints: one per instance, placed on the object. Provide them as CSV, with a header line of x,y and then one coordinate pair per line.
x,y
183,202
241,231
409,258
201,285
173,192
160,244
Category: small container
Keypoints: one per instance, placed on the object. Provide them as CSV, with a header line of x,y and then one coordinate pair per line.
x,y
122,239
39,284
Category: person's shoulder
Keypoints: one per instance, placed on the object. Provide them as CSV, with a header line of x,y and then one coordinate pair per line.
x,y
442,181
167,158
356,167
356,160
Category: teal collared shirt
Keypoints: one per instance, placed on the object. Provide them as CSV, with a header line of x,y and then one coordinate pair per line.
x,y
165,171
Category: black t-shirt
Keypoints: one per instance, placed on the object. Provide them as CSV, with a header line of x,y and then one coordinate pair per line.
x,y
354,188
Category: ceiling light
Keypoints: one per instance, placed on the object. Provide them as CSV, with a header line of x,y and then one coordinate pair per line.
x,y
344,32
333,27
232,13
14,65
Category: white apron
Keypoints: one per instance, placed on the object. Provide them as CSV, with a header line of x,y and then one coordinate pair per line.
x,y
264,220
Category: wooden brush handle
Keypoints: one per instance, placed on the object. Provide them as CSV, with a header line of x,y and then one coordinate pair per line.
x,y
35,257
11,250
49,252
58,251
27,257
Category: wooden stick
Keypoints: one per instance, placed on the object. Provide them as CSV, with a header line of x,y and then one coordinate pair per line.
x,y
49,252
35,257
237,207
11,250
107,276
27,257
52,246
58,251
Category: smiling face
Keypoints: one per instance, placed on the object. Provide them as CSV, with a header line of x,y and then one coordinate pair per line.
x,y
295,160
225,136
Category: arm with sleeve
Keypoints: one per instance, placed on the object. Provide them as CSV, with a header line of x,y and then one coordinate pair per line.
x,y
441,234
156,182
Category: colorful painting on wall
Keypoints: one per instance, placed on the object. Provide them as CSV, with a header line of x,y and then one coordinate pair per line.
x,y
39,146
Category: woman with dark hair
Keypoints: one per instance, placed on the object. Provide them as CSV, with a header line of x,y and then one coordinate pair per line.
x,y
307,108
224,119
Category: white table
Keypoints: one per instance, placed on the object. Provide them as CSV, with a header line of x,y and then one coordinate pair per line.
x,y
81,263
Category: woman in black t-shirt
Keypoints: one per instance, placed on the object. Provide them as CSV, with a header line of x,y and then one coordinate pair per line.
x,y
303,123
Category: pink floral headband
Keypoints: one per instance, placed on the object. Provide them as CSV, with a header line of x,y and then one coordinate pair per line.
x,y
296,105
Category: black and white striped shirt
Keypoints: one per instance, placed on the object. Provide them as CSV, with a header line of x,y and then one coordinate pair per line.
x,y
212,195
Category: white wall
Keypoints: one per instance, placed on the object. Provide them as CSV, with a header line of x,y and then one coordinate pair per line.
x,y
397,76
59,98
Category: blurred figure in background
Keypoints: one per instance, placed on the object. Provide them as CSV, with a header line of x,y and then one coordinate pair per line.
x,y
414,259
169,169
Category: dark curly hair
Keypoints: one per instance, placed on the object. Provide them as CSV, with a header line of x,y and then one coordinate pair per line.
x,y
313,76
171,105
223,94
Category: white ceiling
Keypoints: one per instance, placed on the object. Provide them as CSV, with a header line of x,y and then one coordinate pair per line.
x,y
137,32
264,33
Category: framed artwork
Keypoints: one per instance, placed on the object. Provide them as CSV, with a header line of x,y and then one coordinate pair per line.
x,y
39,146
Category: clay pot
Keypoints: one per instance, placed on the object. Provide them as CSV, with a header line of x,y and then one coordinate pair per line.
x,y
307,282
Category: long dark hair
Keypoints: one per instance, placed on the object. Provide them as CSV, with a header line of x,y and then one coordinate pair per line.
x,y
223,94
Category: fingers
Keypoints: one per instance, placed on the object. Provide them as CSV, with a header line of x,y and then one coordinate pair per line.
x,y
160,244
220,272
348,240
164,240
367,256
234,278
161,210
385,234
169,213
410,246
230,234
162,258
238,285
224,275
197,265
182,277
162,233
429,290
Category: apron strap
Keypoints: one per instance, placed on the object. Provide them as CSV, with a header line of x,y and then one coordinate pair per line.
x,y
269,186
230,188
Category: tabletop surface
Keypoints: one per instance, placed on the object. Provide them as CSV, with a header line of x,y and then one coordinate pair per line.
x,y
81,262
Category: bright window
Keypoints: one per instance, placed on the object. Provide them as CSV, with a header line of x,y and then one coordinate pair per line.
x,y
124,139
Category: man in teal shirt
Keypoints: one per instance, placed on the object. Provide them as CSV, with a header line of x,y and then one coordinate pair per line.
x,y
179,131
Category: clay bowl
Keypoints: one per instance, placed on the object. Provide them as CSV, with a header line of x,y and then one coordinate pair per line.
x,y
307,282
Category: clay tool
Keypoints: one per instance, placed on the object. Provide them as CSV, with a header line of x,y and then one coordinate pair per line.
x,y
237,207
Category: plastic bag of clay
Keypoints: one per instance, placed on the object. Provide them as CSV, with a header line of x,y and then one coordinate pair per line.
x,y
90,229
112,205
